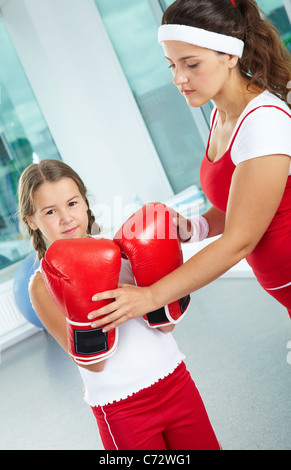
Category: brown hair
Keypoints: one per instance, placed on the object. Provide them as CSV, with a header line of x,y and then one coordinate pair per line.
x,y
31,179
266,62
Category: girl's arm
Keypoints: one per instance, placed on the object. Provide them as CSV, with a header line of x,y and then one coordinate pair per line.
x,y
255,194
52,318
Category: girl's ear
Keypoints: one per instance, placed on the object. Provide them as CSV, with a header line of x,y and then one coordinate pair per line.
x,y
31,224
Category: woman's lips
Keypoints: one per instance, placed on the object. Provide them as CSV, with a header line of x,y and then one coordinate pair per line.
x,y
187,92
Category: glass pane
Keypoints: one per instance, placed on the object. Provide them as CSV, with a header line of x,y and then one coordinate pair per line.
x,y
277,14
165,3
24,138
132,29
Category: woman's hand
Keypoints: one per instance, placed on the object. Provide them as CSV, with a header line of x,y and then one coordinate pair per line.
x,y
183,225
132,301
129,302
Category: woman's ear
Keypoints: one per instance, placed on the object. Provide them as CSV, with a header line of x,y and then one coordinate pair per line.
x,y
232,61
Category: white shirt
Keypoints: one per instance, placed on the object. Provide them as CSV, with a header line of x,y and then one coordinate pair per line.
x,y
266,131
144,355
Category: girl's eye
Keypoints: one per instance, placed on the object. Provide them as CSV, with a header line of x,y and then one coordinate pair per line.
x,y
72,203
50,212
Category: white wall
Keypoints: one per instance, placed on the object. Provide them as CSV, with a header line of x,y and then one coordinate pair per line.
x,y
85,98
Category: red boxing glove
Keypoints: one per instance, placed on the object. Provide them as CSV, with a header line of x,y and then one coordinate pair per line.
x,y
150,241
73,271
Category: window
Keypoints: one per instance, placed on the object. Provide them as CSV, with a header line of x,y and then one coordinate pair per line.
x,y
24,138
277,14
178,135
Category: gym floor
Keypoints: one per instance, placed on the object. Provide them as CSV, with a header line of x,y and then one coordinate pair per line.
x,y
235,338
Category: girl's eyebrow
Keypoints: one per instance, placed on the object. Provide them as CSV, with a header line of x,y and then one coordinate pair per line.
x,y
46,208
53,205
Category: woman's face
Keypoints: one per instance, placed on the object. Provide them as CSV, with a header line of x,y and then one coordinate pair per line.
x,y
200,74
60,211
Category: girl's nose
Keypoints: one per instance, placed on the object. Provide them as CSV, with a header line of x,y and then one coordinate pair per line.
x,y
66,217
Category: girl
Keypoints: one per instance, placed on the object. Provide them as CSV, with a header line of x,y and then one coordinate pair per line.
x,y
142,397
226,51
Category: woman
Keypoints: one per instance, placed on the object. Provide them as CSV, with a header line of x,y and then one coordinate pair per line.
x,y
226,51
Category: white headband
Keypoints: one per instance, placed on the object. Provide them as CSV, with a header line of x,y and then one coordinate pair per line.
x,y
201,37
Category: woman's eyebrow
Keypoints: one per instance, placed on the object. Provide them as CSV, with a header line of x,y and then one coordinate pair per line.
x,y
185,58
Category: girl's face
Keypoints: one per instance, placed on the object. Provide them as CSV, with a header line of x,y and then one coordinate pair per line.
x,y
199,74
60,211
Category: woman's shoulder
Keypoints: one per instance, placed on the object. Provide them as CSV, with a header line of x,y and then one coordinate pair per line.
x,y
266,116
267,102
264,129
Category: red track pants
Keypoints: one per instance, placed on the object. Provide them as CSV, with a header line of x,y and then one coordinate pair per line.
x,y
169,415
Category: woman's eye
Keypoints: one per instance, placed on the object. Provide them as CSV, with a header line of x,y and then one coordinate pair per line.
x,y
192,66
50,212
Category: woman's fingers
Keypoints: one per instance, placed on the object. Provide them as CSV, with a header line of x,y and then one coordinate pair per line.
x,y
129,302
111,321
183,225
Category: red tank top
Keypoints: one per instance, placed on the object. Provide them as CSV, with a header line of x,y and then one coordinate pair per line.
x,y
271,259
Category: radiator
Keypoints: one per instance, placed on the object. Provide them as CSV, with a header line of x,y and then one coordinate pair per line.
x,y
13,325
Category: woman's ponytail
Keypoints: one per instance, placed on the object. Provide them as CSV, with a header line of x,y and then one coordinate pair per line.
x,y
266,61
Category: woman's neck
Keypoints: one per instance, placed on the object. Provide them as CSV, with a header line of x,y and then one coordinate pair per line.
x,y
234,97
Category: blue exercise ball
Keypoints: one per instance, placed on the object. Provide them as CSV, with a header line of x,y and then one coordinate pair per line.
x,y
20,289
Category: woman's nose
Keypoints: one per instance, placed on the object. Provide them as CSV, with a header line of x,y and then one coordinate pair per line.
x,y
180,78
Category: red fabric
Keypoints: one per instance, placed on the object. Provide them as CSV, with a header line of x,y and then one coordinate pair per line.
x,y
271,259
169,415
283,296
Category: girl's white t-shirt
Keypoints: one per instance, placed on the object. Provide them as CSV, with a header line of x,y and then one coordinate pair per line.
x,y
266,131
144,355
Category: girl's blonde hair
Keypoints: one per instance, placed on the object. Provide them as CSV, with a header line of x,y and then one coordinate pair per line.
x,y
266,62
31,179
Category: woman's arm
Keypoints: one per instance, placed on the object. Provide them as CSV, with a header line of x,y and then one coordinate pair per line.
x,y
255,194
52,318
216,221
185,229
